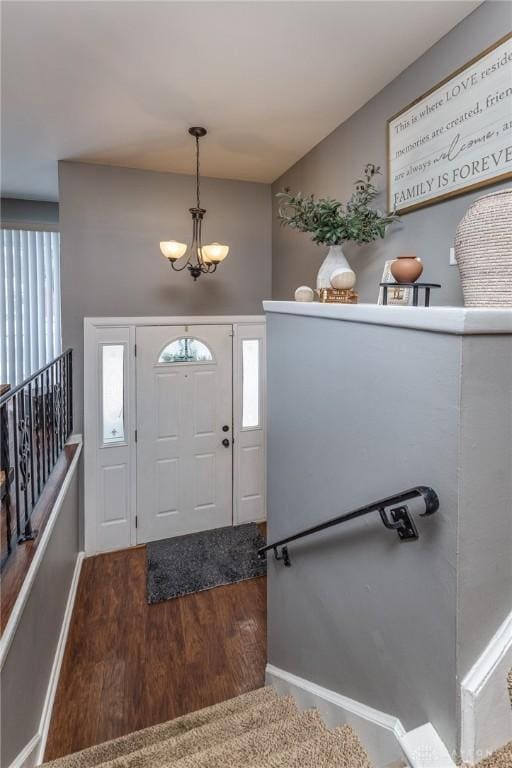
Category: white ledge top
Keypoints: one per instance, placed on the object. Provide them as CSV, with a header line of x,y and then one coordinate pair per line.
x,y
457,320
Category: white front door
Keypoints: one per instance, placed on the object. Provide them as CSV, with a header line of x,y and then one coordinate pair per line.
x,y
184,429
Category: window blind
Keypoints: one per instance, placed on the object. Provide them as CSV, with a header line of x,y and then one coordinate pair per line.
x,y
30,328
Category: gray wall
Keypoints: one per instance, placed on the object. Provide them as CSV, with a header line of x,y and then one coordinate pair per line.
x,y
29,212
332,166
357,412
484,572
353,417
26,671
112,220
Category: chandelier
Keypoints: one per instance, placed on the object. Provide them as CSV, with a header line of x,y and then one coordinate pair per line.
x,y
202,259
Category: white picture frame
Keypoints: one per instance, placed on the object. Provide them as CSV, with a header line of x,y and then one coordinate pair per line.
x,y
400,295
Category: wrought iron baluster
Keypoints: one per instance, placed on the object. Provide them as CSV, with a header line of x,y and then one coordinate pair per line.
x,y
5,466
56,409
31,447
70,391
61,398
48,425
16,461
65,394
52,413
62,421
37,427
24,462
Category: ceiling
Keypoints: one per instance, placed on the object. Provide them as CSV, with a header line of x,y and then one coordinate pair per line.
x,y
120,82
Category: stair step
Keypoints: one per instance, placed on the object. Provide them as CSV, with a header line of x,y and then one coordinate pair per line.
x,y
205,738
124,745
257,744
339,748
256,730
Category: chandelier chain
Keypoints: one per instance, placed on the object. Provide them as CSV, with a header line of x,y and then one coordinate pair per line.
x,y
197,173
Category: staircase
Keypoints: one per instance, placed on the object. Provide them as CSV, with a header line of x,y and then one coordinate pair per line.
x,y
259,729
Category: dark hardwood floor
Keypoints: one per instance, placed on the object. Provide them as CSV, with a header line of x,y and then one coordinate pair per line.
x,y
128,665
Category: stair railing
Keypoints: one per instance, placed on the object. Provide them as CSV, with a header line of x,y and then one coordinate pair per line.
x,y
400,520
36,419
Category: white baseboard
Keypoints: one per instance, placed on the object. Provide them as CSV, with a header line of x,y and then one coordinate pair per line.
x,y
33,753
486,712
383,735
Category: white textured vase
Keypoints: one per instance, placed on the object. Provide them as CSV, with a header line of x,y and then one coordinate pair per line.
x,y
335,259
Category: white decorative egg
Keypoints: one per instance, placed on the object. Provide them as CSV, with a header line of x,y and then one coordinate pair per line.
x,y
304,293
343,278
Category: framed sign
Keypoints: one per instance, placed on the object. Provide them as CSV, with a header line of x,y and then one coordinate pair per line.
x,y
457,136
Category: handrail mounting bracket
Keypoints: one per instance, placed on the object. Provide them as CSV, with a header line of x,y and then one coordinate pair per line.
x,y
401,522
284,556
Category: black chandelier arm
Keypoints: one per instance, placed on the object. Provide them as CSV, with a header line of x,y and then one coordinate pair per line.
x,y
180,269
198,242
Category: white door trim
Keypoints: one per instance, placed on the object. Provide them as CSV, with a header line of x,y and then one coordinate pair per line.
x,y
108,322
94,328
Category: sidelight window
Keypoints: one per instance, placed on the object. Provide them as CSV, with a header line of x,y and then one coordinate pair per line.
x,y
112,375
250,383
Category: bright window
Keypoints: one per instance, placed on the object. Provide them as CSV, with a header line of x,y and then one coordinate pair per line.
x,y
112,368
250,383
30,333
186,350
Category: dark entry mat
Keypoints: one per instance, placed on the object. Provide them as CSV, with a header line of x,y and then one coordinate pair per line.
x,y
199,561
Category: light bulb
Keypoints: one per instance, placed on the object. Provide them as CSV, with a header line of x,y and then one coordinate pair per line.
x,y
215,253
173,250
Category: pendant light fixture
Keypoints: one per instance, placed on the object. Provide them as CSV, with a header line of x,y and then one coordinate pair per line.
x,y
202,259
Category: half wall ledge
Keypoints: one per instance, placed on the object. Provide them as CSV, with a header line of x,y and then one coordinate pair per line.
x,y
460,321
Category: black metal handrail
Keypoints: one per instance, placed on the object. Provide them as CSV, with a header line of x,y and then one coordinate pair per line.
x,y
36,419
401,520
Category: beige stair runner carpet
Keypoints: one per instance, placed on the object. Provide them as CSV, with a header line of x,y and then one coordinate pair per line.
x,y
259,729
502,758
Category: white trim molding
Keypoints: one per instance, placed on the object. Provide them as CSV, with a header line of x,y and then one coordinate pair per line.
x,y
110,322
383,735
486,712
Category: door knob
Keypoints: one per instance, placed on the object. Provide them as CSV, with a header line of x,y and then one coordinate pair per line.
x,y
225,428
225,442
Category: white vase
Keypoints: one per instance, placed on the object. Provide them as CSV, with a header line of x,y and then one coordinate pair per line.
x,y
335,259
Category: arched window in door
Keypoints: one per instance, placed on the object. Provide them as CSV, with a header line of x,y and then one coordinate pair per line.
x,y
185,350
